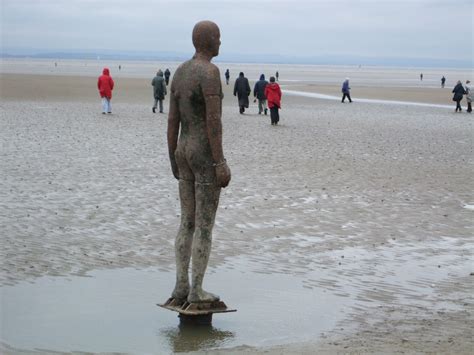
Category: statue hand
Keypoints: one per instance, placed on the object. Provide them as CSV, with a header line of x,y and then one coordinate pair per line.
x,y
174,168
223,175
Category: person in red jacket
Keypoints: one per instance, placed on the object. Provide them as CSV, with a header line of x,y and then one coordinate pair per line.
x,y
105,84
273,94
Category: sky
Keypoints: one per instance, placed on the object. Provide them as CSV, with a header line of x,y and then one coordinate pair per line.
x,y
436,29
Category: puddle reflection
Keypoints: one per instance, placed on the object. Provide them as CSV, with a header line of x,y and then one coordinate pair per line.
x,y
116,311
192,337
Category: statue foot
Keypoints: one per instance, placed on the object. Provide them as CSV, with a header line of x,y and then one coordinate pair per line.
x,y
202,296
180,293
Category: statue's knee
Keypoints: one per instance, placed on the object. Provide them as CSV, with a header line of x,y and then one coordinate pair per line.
x,y
188,225
205,233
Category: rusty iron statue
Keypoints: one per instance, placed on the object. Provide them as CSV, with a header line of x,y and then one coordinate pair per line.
x,y
197,160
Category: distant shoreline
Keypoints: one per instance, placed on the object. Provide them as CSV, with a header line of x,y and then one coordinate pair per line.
x,y
346,61
244,63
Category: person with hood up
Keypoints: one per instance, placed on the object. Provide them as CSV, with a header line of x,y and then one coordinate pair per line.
x,y
259,94
458,95
167,76
242,91
105,84
346,90
468,95
273,95
159,90
227,76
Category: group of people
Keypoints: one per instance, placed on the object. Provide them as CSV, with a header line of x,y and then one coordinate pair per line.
x,y
459,91
105,85
267,93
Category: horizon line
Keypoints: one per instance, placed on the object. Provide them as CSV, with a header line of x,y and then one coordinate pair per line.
x,y
351,60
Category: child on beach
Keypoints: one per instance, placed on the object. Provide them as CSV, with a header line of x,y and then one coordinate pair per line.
x,y
273,95
105,84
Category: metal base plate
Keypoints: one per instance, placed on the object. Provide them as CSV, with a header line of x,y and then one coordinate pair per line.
x,y
195,309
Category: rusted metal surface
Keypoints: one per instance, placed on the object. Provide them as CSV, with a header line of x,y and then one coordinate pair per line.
x,y
197,160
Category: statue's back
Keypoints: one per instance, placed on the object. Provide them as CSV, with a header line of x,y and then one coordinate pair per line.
x,y
193,80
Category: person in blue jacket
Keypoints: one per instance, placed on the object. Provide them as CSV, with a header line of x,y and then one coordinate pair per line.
x,y
346,90
259,94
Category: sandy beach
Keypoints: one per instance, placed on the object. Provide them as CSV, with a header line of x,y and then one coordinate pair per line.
x,y
367,202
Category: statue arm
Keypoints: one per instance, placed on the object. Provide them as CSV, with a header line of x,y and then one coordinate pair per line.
x,y
214,126
173,131
212,91
214,133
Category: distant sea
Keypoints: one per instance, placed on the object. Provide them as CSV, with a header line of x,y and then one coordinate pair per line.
x,y
236,58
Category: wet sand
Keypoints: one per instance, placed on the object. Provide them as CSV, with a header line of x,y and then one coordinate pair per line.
x,y
372,194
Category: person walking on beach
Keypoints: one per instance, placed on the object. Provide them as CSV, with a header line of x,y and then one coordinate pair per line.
x,y
421,77
443,81
197,160
273,95
167,76
277,75
468,95
159,90
105,84
227,76
458,95
259,94
346,90
242,91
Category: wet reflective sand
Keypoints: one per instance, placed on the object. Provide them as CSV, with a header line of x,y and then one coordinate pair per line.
x,y
116,310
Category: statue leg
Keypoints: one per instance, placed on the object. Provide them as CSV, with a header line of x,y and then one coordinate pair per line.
x,y
207,200
184,239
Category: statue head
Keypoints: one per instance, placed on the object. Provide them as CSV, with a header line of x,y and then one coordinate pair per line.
x,y
207,38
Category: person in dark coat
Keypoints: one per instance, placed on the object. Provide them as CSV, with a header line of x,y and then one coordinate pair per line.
x,y
159,90
167,76
273,94
346,90
277,74
459,92
227,76
259,94
443,81
242,91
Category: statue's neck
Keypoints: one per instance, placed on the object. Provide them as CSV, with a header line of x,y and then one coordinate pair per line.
x,y
203,56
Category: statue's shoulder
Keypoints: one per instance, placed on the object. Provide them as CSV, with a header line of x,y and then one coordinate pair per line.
x,y
210,70
181,74
182,67
214,69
